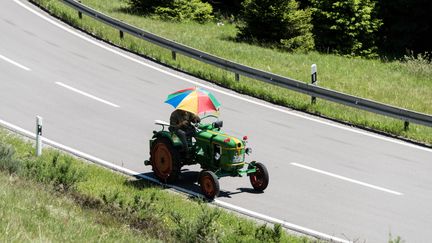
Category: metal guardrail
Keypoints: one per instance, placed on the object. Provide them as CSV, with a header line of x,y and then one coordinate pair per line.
x,y
239,69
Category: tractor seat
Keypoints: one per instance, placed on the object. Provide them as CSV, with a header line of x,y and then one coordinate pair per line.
x,y
162,123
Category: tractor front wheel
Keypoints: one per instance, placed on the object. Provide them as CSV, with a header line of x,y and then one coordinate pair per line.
x,y
260,178
209,184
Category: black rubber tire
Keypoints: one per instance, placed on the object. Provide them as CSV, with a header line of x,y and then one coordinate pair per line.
x,y
260,179
209,184
165,161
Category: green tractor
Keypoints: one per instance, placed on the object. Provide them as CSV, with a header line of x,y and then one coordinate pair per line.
x,y
218,154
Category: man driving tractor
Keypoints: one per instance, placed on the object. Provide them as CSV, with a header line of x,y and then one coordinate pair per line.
x,y
181,124
217,153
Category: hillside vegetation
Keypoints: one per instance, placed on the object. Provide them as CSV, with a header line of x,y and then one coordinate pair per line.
x,y
347,27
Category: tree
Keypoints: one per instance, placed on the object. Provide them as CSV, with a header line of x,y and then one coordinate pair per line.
x,y
276,21
346,26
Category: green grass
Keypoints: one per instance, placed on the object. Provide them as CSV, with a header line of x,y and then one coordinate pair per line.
x,y
29,212
85,202
407,85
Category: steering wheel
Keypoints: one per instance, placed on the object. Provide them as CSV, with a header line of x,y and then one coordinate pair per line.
x,y
210,115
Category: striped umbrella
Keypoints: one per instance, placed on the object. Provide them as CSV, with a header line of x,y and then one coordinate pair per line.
x,y
195,100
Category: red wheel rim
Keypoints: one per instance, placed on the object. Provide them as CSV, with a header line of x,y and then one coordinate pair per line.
x,y
257,179
162,161
207,185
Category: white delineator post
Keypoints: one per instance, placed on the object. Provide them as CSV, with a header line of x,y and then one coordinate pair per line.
x,y
38,135
313,79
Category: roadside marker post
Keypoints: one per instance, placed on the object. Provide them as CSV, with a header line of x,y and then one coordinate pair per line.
x,y
313,80
38,136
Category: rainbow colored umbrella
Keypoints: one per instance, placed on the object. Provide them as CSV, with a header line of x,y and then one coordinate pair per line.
x,y
195,100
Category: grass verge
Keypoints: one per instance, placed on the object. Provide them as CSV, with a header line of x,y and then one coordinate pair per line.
x,y
29,212
86,202
407,85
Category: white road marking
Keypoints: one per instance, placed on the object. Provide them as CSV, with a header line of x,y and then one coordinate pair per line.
x,y
112,50
129,172
347,179
87,94
14,63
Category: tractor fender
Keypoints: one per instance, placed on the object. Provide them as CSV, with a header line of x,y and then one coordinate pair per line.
x,y
166,134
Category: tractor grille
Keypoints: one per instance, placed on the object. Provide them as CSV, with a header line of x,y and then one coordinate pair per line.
x,y
238,157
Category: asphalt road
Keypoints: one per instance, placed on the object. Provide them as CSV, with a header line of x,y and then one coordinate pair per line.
x,y
327,177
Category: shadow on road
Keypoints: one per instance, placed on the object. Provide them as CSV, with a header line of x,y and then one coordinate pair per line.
x,y
188,180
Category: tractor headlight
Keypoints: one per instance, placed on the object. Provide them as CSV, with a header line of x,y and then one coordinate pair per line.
x,y
248,151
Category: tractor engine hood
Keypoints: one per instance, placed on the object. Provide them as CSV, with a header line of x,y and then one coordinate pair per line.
x,y
226,141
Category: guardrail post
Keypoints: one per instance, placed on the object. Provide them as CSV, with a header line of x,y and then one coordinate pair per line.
x,y
38,135
406,125
313,80
121,34
79,13
174,55
237,77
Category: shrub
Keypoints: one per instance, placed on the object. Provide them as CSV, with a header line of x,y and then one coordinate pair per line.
x,y
277,21
302,43
346,27
420,64
54,168
182,10
148,6
265,234
175,10
202,229
7,161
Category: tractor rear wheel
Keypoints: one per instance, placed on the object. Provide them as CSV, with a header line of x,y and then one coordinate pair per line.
x,y
165,160
209,184
260,178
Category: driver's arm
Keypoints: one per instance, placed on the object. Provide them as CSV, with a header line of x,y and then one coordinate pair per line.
x,y
183,123
196,119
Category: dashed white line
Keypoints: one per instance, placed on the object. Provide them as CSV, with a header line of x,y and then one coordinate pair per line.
x,y
348,179
87,94
14,63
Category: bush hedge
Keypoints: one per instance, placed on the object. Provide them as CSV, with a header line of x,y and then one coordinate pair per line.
x,y
175,10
